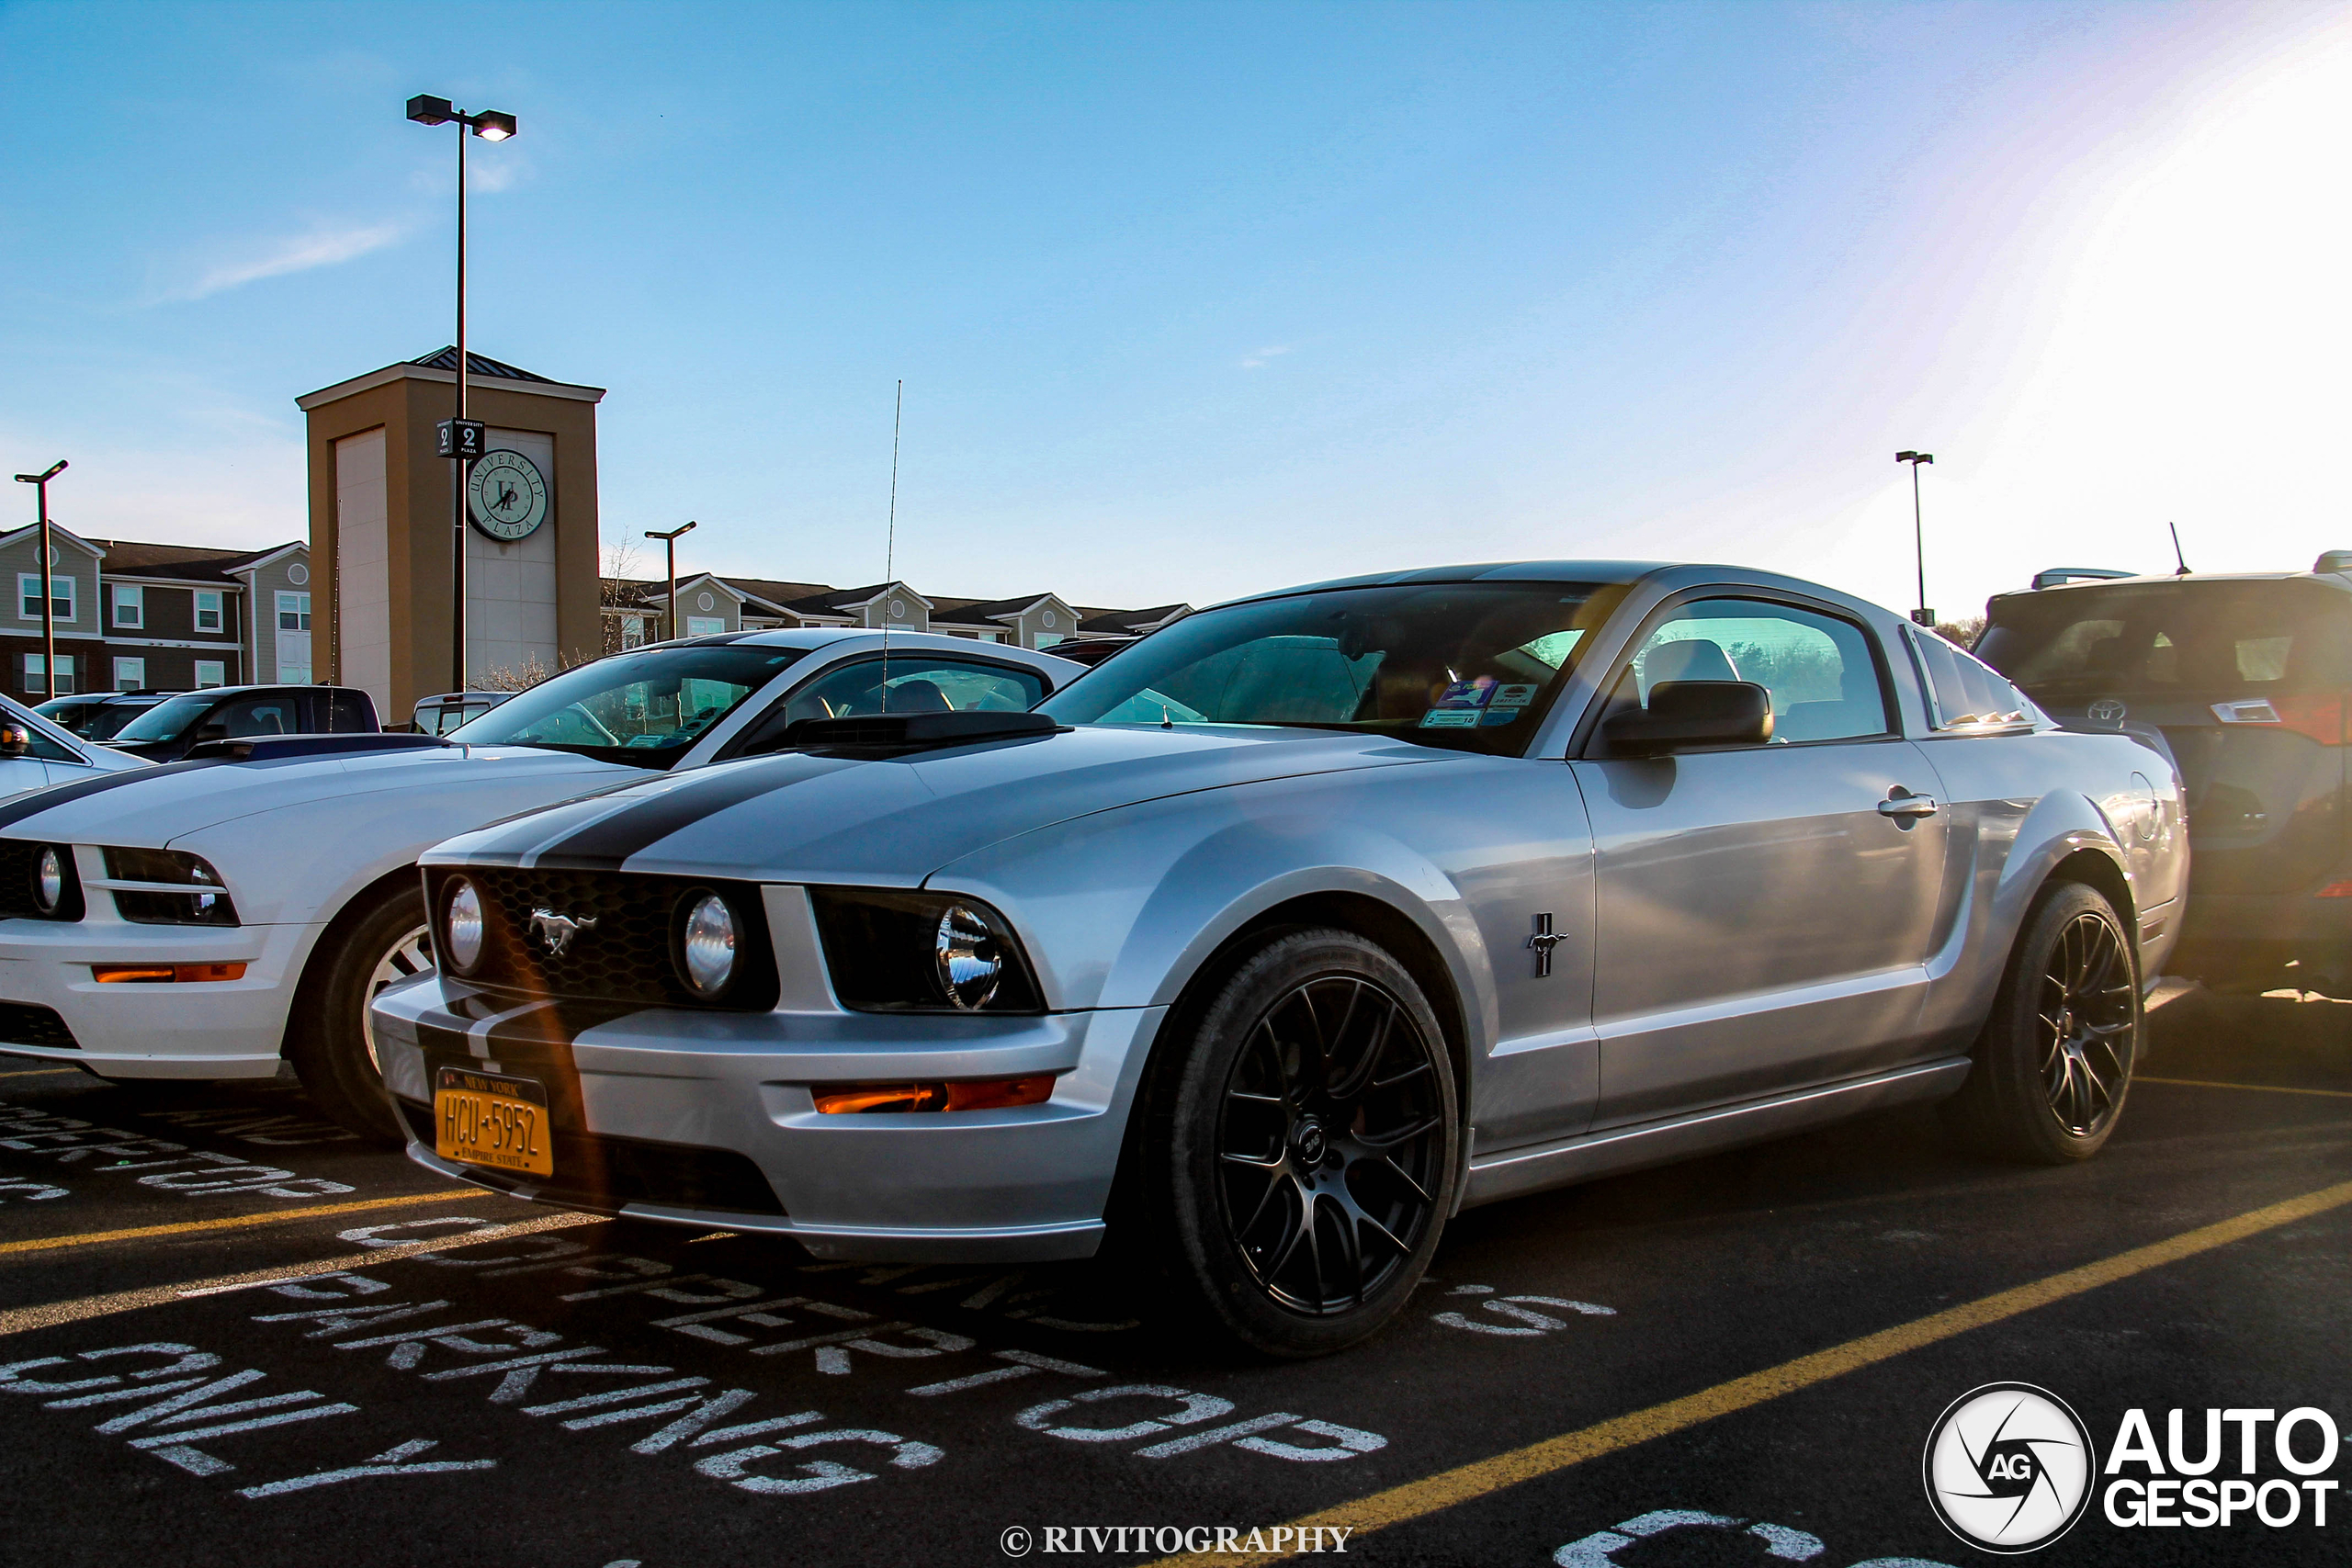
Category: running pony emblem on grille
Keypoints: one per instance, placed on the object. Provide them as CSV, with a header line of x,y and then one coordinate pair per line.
x,y
557,931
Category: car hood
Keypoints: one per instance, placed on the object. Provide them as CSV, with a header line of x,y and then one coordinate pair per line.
x,y
893,820
146,806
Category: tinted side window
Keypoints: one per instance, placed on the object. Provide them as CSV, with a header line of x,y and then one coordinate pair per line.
x,y
1963,693
919,683
47,750
1819,669
349,711
253,715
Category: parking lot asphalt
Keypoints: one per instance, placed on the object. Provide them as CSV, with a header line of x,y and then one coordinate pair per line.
x,y
233,1334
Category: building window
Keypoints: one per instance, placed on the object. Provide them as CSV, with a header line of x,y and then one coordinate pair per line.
x,y
28,597
36,667
989,637
208,610
293,612
706,626
210,672
1047,640
129,675
632,631
130,605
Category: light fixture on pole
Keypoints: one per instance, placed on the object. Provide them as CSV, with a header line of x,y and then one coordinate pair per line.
x,y
48,591
461,438
1922,615
670,548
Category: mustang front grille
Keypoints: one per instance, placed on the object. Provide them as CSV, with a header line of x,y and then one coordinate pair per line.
x,y
618,935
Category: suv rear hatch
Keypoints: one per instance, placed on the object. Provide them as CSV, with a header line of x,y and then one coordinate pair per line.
x,y
2247,680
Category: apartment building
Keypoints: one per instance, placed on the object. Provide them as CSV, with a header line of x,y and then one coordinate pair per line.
x,y
636,611
130,616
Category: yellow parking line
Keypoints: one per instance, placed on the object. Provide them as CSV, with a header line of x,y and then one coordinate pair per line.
x,y
26,1319
1464,1484
2257,1088
275,1217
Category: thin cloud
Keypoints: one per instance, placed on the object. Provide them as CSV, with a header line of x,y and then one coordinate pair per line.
x,y
1257,357
321,247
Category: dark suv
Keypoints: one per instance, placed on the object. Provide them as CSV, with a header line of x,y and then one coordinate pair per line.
x,y
165,732
2247,680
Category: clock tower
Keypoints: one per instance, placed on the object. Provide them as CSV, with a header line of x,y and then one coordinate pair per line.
x,y
380,528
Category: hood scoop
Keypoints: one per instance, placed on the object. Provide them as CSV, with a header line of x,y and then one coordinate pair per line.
x,y
915,731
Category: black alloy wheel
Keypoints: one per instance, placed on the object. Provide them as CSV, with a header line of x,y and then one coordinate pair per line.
x,y
2089,1022
2054,1062
1328,1143
1295,1148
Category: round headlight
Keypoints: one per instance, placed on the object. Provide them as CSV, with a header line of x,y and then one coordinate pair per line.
x,y
706,946
49,880
465,927
970,957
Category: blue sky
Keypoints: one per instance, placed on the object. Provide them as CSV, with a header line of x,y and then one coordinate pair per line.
x,y
1194,299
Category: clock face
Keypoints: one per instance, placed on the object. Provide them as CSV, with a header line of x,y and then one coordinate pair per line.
x,y
509,495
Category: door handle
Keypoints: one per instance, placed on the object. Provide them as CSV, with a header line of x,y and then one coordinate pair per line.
x,y
1909,805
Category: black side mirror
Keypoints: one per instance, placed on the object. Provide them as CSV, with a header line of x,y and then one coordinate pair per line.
x,y
1683,714
14,740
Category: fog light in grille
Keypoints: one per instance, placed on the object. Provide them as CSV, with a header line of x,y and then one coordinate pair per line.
x,y
995,1094
463,921
161,973
49,880
706,944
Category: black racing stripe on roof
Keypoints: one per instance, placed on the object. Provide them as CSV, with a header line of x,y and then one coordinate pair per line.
x,y
605,845
33,805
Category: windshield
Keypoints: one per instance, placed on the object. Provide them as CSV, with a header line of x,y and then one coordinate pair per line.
x,y
167,720
2209,640
643,709
72,713
1469,666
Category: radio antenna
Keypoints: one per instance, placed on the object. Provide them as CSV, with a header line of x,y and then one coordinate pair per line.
x,y
2177,556
890,539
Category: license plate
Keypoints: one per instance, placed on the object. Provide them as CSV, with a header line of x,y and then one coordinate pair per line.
x,y
483,1119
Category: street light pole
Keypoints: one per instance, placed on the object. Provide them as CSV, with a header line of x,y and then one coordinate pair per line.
x,y
670,545
48,590
491,125
1922,615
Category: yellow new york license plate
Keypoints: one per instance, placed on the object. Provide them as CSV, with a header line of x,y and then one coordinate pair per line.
x,y
483,1119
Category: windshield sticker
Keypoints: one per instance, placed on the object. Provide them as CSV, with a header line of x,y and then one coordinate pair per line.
x,y
1468,693
1512,697
1451,719
1494,716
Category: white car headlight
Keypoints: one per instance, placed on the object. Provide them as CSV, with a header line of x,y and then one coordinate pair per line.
x,y
707,945
462,925
49,880
970,957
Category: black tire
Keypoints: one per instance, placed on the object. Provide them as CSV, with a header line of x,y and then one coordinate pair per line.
x,y
1308,1108
371,945
2054,1063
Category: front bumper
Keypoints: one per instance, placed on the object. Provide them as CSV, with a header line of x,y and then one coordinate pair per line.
x,y
223,1029
659,1109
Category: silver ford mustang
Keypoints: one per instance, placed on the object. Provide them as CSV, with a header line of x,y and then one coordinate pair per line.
x,y
1299,925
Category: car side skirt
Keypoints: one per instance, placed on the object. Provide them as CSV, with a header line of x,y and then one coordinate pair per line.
x,y
1592,1155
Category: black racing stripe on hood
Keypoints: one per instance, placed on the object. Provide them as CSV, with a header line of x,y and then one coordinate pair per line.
x,y
41,800
603,846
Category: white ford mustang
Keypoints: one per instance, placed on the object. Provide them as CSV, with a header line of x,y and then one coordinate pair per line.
x,y
220,917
